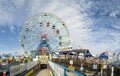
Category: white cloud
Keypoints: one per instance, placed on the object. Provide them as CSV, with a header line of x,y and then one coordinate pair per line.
x,y
19,3
69,12
113,14
12,28
3,31
5,18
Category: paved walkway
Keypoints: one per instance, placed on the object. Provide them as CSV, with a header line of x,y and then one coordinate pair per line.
x,y
71,74
44,72
92,73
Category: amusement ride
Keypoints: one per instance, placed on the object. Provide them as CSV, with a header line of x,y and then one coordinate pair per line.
x,y
43,34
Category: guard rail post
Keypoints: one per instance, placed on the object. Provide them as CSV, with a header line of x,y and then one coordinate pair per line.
x,y
4,73
8,69
65,72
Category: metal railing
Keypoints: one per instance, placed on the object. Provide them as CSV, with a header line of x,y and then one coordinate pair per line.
x,y
61,70
19,68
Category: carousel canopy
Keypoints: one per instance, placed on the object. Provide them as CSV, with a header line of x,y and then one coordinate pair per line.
x,y
103,56
88,54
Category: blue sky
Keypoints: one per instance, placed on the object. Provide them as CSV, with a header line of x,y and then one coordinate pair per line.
x,y
92,24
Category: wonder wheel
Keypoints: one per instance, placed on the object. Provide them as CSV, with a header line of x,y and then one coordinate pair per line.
x,y
44,28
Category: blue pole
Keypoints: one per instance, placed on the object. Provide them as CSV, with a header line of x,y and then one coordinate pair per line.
x,y
65,72
9,69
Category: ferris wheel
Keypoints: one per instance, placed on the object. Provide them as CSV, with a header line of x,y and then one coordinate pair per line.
x,y
44,24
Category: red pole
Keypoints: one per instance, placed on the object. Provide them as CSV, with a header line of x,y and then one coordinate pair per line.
x,y
49,68
4,73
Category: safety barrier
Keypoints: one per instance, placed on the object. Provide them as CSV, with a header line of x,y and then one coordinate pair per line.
x,y
61,70
21,69
16,69
31,70
31,64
